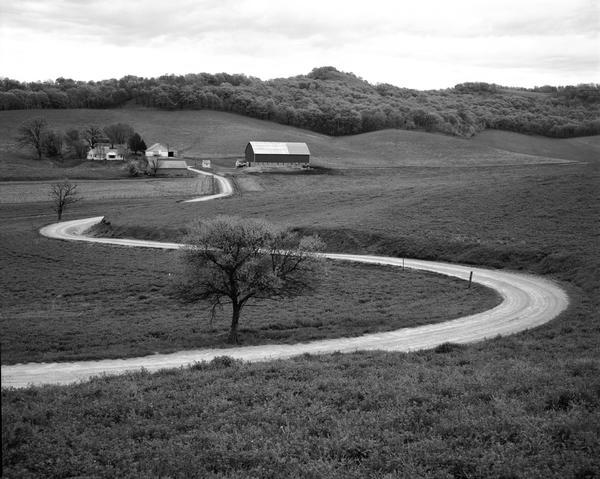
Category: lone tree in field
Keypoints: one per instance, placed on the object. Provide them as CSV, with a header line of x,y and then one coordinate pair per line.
x,y
31,134
229,260
62,195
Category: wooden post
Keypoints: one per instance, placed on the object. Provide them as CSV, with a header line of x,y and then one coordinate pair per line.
x,y
402,264
470,278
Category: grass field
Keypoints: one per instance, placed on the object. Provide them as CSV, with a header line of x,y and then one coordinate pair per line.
x,y
97,190
208,134
517,407
100,302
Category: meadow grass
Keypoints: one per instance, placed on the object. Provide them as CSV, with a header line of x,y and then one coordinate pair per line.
x,y
66,301
488,410
220,135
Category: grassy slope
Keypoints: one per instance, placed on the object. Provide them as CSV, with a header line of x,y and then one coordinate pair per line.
x,y
217,134
523,406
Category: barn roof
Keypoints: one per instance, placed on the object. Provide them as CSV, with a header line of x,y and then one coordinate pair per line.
x,y
279,148
172,164
157,147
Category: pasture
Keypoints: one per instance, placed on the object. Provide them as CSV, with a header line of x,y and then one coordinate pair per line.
x,y
219,135
522,406
67,301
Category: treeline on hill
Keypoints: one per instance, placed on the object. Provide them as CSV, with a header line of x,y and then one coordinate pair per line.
x,y
332,102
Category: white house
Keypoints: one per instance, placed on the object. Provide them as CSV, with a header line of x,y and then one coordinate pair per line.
x,y
158,149
105,152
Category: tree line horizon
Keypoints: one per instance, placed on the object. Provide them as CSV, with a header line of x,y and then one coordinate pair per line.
x,y
332,102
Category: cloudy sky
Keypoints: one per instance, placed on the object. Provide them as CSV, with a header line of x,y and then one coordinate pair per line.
x,y
419,44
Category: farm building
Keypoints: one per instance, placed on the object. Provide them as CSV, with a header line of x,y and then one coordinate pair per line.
x,y
158,149
160,165
273,153
105,152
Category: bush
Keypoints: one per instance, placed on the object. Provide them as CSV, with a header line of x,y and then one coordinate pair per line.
x,y
133,168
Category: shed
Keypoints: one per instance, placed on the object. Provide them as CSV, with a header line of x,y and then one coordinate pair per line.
x,y
158,149
273,153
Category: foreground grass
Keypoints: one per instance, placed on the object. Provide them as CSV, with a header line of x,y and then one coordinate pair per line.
x,y
498,409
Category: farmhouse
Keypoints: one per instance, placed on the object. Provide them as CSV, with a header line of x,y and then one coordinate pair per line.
x,y
158,149
105,152
276,153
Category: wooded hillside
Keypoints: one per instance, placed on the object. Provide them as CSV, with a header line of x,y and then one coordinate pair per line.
x,y
332,102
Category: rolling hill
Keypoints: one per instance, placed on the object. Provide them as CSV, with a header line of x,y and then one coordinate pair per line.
x,y
212,134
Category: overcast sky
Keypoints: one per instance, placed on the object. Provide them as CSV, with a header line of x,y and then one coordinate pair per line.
x,y
418,44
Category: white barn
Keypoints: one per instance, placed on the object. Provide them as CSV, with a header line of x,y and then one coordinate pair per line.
x,y
160,150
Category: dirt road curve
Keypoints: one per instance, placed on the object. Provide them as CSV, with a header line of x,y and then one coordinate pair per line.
x,y
529,301
225,188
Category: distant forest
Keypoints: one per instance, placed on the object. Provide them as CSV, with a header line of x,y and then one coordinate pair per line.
x,y
332,102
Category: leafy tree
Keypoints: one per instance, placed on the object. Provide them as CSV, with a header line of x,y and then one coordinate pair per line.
x,y
118,133
52,144
63,194
76,144
136,143
31,134
230,260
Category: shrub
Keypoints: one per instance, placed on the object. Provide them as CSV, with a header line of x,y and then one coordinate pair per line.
x,y
133,168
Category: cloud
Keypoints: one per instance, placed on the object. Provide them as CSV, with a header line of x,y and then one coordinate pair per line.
x,y
378,39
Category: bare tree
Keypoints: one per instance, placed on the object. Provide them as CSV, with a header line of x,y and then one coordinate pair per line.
x,y
118,133
153,165
93,135
62,194
229,260
31,134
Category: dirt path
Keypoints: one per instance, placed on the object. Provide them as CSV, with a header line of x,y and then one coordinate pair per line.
x,y
528,302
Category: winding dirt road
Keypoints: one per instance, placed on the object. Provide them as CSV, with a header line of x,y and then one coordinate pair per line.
x,y
528,302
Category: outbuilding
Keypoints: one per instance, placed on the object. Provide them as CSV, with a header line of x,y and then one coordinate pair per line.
x,y
272,153
160,150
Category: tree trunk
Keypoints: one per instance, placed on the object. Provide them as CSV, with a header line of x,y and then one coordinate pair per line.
x,y
235,317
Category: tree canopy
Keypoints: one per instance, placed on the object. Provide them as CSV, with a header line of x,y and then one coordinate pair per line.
x,y
229,260
333,102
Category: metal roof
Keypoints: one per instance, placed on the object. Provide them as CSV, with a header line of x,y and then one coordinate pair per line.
x,y
279,148
157,147
171,164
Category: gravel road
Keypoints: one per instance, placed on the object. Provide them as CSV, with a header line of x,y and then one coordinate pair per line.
x,y
528,301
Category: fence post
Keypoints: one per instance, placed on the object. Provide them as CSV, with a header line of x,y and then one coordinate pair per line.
x,y
470,278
